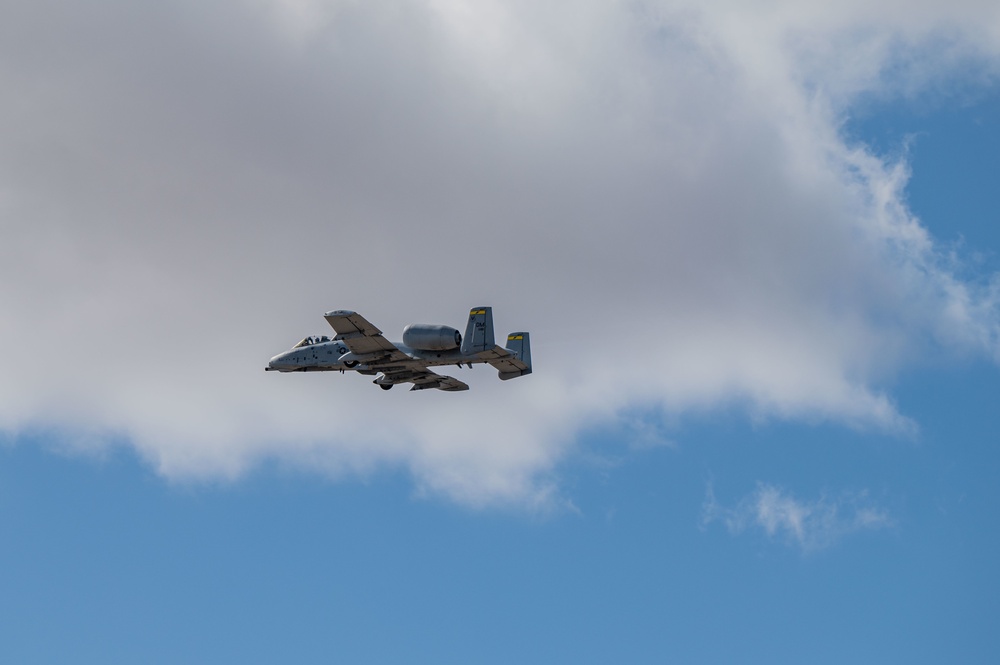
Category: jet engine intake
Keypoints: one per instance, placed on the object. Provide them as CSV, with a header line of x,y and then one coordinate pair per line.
x,y
425,337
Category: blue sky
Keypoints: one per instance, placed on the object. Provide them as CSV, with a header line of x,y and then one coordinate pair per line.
x,y
800,467
103,559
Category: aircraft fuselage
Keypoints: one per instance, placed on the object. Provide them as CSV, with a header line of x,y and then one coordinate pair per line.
x,y
334,356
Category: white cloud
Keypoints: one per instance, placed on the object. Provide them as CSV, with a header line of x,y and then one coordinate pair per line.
x,y
658,189
810,525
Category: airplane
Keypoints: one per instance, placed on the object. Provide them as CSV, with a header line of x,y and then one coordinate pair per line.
x,y
359,346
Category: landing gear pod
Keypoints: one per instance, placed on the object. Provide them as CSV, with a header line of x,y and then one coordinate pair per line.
x,y
384,382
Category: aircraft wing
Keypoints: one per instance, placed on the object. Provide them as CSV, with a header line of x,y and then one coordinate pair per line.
x,y
428,379
361,337
364,339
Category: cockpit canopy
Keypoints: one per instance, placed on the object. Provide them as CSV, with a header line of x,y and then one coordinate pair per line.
x,y
312,339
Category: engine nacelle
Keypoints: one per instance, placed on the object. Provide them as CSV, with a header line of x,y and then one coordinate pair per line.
x,y
425,337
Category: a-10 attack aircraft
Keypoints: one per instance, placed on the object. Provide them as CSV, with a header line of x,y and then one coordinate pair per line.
x,y
360,346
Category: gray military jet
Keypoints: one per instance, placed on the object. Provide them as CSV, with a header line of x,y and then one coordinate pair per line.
x,y
360,346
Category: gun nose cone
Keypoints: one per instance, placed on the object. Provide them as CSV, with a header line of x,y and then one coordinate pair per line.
x,y
274,364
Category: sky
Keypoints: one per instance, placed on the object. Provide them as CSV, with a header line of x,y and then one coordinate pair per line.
x,y
755,246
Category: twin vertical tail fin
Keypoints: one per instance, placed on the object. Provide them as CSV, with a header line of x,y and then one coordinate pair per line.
x,y
479,331
518,343
512,361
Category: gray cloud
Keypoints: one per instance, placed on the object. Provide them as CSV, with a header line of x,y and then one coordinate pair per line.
x,y
658,192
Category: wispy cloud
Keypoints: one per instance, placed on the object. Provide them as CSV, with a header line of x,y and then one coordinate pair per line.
x,y
809,525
